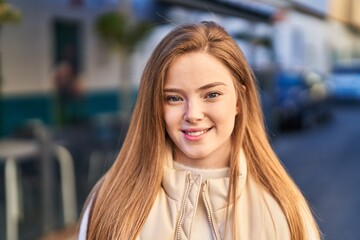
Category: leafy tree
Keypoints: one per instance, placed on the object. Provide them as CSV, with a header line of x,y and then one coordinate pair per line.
x,y
8,14
117,30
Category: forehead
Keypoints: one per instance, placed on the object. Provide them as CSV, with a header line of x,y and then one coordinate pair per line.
x,y
197,69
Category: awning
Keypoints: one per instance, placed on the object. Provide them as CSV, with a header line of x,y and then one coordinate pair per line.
x,y
243,10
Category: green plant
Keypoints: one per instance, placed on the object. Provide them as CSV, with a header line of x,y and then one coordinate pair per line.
x,y
116,29
8,14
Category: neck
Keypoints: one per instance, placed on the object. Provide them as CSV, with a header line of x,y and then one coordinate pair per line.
x,y
212,161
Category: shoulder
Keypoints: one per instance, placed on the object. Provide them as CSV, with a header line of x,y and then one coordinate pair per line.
x,y
267,212
84,222
85,218
277,216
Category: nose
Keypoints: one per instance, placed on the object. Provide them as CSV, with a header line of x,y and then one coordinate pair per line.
x,y
193,112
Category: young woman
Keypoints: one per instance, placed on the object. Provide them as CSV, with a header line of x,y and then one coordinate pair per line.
x,y
196,162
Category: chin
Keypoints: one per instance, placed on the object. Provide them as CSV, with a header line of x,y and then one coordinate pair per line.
x,y
196,155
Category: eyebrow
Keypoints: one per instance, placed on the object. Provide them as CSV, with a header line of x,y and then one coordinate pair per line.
x,y
211,85
207,86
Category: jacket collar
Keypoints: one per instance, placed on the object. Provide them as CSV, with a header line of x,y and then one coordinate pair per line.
x,y
174,182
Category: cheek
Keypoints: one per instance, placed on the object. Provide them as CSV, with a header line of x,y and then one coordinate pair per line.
x,y
171,118
171,126
225,118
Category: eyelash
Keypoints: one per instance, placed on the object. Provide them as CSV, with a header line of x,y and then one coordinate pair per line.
x,y
212,93
171,98
208,96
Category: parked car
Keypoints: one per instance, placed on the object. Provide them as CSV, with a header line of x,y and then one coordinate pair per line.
x,y
265,78
344,82
302,99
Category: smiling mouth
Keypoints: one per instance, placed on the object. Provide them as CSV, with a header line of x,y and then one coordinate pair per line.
x,y
196,133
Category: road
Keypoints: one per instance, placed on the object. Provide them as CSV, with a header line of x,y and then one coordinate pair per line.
x,y
325,162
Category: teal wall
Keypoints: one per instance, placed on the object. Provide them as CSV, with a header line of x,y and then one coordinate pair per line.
x,y
101,102
17,110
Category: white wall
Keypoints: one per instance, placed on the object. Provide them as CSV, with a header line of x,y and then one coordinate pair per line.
x,y
27,49
302,42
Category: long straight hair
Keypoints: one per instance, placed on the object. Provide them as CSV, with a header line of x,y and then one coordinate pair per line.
x,y
129,188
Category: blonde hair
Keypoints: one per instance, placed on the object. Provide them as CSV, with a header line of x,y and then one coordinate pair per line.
x,y
129,188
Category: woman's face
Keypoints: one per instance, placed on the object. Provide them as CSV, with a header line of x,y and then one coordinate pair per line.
x,y
200,105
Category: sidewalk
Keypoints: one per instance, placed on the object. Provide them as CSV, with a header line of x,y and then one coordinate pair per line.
x,y
82,140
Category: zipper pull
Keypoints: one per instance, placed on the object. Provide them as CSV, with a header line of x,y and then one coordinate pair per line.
x,y
204,186
189,177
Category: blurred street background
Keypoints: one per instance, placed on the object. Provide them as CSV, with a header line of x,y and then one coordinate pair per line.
x,y
69,72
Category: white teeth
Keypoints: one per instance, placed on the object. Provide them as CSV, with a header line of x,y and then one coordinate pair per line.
x,y
196,133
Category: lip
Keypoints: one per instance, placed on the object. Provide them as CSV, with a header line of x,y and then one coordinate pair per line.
x,y
193,134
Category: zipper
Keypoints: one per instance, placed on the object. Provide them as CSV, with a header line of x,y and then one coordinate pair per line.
x,y
208,212
183,210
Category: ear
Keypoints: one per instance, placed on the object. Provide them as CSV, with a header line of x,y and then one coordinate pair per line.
x,y
237,107
243,88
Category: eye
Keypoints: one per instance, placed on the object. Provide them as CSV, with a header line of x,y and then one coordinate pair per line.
x,y
173,98
213,95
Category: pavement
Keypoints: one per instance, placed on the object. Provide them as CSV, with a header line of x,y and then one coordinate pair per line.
x,y
325,162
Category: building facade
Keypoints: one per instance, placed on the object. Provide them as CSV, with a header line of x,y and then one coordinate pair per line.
x,y
51,31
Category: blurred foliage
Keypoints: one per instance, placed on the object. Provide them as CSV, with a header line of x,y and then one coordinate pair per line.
x,y
116,29
8,14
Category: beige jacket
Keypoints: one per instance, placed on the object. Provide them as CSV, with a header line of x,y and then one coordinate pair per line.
x,y
172,215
